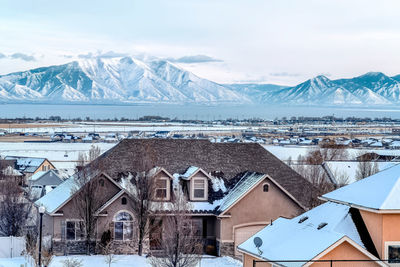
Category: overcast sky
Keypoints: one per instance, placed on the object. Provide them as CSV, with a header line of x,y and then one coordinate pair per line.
x,y
267,41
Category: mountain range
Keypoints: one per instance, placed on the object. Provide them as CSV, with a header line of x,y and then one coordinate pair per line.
x,y
128,80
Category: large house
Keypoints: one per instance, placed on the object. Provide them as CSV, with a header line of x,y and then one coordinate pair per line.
x,y
357,226
233,189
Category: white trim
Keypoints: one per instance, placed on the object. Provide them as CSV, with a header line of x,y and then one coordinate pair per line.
x,y
108,203
351,242
192,197
132,228
198,170
386,211
161,169
168,189
264,184
387,244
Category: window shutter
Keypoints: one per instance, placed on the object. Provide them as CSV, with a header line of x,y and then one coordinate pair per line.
x,y
111,227
63,230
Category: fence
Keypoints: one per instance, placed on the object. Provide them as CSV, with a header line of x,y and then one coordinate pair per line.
x,y
324,263
11,246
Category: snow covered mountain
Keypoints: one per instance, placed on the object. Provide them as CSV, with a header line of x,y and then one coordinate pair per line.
x,y
128,80
369,89
114,80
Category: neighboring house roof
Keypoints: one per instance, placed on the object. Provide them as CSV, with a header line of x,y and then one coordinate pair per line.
x,y
380,191
58,196
26,164
300,238
50,177
175,155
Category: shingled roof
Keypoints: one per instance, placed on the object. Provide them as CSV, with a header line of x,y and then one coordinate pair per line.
x,y
176,155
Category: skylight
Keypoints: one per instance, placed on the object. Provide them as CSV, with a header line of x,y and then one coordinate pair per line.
x,y
302,219
322,225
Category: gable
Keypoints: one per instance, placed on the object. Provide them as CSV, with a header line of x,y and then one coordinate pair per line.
x,y
106,192
229,159
346,249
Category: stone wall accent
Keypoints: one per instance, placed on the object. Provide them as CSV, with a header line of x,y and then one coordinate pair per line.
x,y
226,249
71,247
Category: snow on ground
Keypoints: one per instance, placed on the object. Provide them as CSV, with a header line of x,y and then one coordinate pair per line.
x,y
121,261
284,152
62,155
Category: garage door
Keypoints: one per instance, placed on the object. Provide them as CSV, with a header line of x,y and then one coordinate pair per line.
x,y
244,233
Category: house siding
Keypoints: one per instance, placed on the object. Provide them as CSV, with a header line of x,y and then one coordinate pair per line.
x,y
345,251
69,213
256,208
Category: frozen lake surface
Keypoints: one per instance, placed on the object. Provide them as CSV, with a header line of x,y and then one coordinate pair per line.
x,y
188,111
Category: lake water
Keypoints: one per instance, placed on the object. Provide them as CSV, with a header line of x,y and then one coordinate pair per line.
x,y
187,111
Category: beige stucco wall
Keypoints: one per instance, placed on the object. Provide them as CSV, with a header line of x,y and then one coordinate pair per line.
x,y
382,228
258,208
69,211
103,222
248,262
374,223
345,251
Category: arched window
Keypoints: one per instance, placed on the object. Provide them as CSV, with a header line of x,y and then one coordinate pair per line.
x,y
123,201
123,228
265,187
101,182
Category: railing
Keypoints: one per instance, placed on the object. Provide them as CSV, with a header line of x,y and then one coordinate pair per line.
x,y
336,263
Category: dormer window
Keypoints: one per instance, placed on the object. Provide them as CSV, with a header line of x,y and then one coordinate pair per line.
x,y
199,189
161,191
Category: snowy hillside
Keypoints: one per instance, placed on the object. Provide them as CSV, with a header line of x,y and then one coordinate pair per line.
x,y
369,89
128,80
114,80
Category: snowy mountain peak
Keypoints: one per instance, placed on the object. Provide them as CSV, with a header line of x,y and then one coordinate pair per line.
x,y
115,80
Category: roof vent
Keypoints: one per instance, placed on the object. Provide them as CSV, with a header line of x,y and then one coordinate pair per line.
x,y
321,225
302,219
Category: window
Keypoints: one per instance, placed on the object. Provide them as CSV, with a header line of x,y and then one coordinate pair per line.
x,y
199,188
44,168
101,182
265,187
162,188
392,251
75,230
123,201
123,228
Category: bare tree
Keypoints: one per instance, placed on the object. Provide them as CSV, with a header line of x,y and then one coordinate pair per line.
x,y
180,242
366,168
88,197
141,185
15,209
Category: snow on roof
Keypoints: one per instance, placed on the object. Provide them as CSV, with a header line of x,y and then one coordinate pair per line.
x,y
380,191
26,161
247,181
11,171
37,175
189,172
58,195
218,184
286,239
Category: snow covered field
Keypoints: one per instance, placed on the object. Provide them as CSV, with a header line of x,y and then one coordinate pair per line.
x,y
121,261
284,152
62,155
126,127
